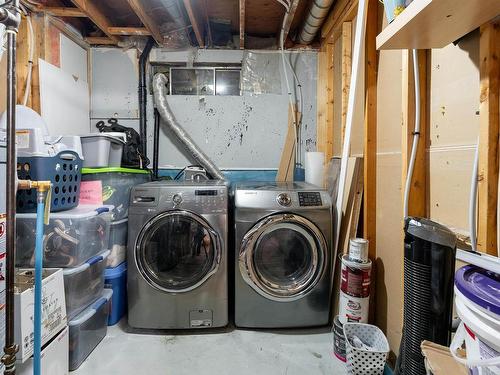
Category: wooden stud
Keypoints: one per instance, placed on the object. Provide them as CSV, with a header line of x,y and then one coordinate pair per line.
x,y
195,22
325,91
64,12
99,40
128,31
346,70
146,20
370,131
489,72
96,15
40,27
343,10
287,161
22,54
418,202
242,24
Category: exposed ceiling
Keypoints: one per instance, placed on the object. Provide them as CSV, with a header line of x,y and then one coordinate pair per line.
x,y
178,23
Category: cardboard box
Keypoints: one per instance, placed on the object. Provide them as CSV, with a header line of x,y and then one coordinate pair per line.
x,y
439,361
53,308
54,359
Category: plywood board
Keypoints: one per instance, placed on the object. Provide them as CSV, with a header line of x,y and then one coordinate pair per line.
x,y
65,103
74,59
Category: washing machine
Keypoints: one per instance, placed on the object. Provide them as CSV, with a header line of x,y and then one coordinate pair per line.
x,y
283,234
177,255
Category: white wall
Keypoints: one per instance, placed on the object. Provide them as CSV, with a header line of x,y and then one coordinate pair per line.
x,y
236,132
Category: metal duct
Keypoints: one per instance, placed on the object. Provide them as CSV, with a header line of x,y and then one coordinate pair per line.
x,y
160,82
314,19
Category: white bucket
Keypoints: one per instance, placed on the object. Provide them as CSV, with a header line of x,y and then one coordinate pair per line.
x,y
480,329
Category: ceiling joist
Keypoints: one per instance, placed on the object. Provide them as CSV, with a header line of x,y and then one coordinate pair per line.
x,y
242,24
64,12
146,20
94,13
99,40
343,10
138,31
195,22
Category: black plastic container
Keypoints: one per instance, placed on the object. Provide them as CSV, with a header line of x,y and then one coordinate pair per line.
x,y
429,267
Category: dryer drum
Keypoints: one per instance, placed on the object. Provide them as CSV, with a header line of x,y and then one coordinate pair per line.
x,y
177,251
282,257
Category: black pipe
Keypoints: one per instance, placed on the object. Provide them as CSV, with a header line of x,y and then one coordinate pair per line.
x,y
10,349
143,95
156,144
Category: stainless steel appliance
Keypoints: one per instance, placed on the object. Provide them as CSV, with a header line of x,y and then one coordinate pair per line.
x,y
177,275
283,262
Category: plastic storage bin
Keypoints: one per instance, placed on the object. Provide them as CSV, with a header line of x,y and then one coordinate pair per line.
x,y
116,186
116,279
84,284
87,329
118,242
101,151
70,239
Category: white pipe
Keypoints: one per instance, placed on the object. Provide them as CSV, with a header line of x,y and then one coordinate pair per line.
x,y
31,42
359,36
473,201
416,134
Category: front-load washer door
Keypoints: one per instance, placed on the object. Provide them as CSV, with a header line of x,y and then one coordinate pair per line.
x,y
283,257
177,251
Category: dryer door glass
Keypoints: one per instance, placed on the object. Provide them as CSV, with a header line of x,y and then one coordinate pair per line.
x,y
177,252
283,257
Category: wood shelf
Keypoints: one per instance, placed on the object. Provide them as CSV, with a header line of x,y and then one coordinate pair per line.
x,y
426,24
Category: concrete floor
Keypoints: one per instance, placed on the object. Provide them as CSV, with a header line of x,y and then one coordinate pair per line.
x,y
231,351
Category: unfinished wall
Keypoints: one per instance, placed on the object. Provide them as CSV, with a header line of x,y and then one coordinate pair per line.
x,y
454,126
235,131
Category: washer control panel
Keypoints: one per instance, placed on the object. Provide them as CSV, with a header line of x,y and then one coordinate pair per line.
x,y
310,198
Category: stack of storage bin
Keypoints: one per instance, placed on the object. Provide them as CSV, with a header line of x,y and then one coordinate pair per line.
x,y
116,184
76,240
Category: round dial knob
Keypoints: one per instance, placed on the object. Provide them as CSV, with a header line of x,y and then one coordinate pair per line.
x,y
284,199
177,198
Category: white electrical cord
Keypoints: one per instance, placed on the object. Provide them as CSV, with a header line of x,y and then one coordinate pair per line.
x,y
285,62
416,134
473,200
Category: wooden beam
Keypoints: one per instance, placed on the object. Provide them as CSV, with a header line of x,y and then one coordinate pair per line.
x,y
207,24
343,10
370,130
418,202
195,22
65,12
489,72
289,20
40,29
94,13
128,31
22,65
325,91
346,62
99,40
242,24
146,20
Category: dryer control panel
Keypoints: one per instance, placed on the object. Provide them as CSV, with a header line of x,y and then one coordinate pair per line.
x,y
309,198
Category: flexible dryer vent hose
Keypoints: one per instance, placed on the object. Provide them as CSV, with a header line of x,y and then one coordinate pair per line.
x,y
160,82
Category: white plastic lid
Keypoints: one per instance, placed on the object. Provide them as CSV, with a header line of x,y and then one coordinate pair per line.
x,y
92,309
